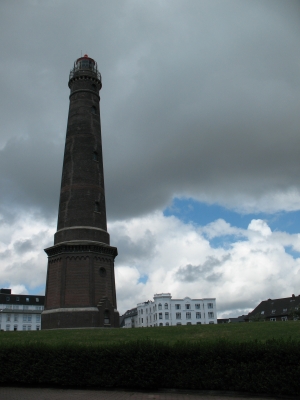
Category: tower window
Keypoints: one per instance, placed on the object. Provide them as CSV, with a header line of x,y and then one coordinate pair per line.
x,y
102,272
94,86
97,206
95,156
94,110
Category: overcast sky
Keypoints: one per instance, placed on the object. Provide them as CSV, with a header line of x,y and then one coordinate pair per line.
x,y
200,120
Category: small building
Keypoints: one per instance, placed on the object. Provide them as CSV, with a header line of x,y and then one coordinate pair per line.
x,y
241,318
284,309
165,311
129,319
20,312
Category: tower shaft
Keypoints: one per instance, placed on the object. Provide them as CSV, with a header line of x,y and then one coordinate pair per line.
x,y
80,288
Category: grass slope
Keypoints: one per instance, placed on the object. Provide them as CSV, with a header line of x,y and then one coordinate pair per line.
x,y
239,332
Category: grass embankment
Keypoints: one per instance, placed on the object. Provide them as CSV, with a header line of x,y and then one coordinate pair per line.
x,y
239,332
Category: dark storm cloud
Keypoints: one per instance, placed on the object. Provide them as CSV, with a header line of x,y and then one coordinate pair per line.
x,y
191,273
199,99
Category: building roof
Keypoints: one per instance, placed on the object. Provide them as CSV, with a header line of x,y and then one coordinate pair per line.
x,y
23,299
275,308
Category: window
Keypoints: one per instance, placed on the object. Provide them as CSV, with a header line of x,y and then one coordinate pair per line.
x,y
38,307
188,315
160,315
24,327
16,306
189,323
166,315
211,315
27,299
94,110
142,312
17,298
29,327
146,310
178,323
272,319
37,318
198,323
7,298
97,206
29,318
178,315
25,307
8,317
15,327
262,312
9,306
177,307
167,323
159,306
210,305
166,306
25,317
37,299
142,320
187,306
95,156
284,318
15,317
198,315
211,322
285,310
161,324
37,327
197,306
7,327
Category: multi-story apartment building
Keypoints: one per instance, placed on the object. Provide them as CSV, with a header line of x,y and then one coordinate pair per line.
x,y
165,311
20,312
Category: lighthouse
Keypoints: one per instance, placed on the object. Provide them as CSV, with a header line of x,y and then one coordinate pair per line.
x,y
80,285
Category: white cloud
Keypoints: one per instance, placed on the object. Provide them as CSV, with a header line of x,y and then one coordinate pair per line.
x,y
255,266
179,258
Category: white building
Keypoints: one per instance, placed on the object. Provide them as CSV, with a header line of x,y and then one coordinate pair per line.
x,y
165,311
20,312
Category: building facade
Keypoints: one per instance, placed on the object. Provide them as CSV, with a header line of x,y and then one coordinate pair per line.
x,y
20,312
165,311
80,286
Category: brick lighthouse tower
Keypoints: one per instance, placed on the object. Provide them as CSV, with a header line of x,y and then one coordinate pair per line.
x,y
80,288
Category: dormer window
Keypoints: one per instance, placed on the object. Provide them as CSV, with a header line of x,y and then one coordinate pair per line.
x,y
273,311
262,312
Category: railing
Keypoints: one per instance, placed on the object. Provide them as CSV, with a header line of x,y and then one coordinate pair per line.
x,y
79,71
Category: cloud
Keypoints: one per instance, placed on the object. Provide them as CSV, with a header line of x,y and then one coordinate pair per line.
x,y
191,273
198,100
185,264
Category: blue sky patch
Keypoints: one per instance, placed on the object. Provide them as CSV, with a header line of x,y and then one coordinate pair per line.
x,y
143,279
193,211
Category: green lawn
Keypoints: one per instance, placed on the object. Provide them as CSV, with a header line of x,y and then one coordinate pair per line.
x,y
240,332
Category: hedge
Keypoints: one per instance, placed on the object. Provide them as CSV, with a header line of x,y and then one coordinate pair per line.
x,y
271,367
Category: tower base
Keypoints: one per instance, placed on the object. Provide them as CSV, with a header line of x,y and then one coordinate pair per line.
x,y
80,290
102,316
